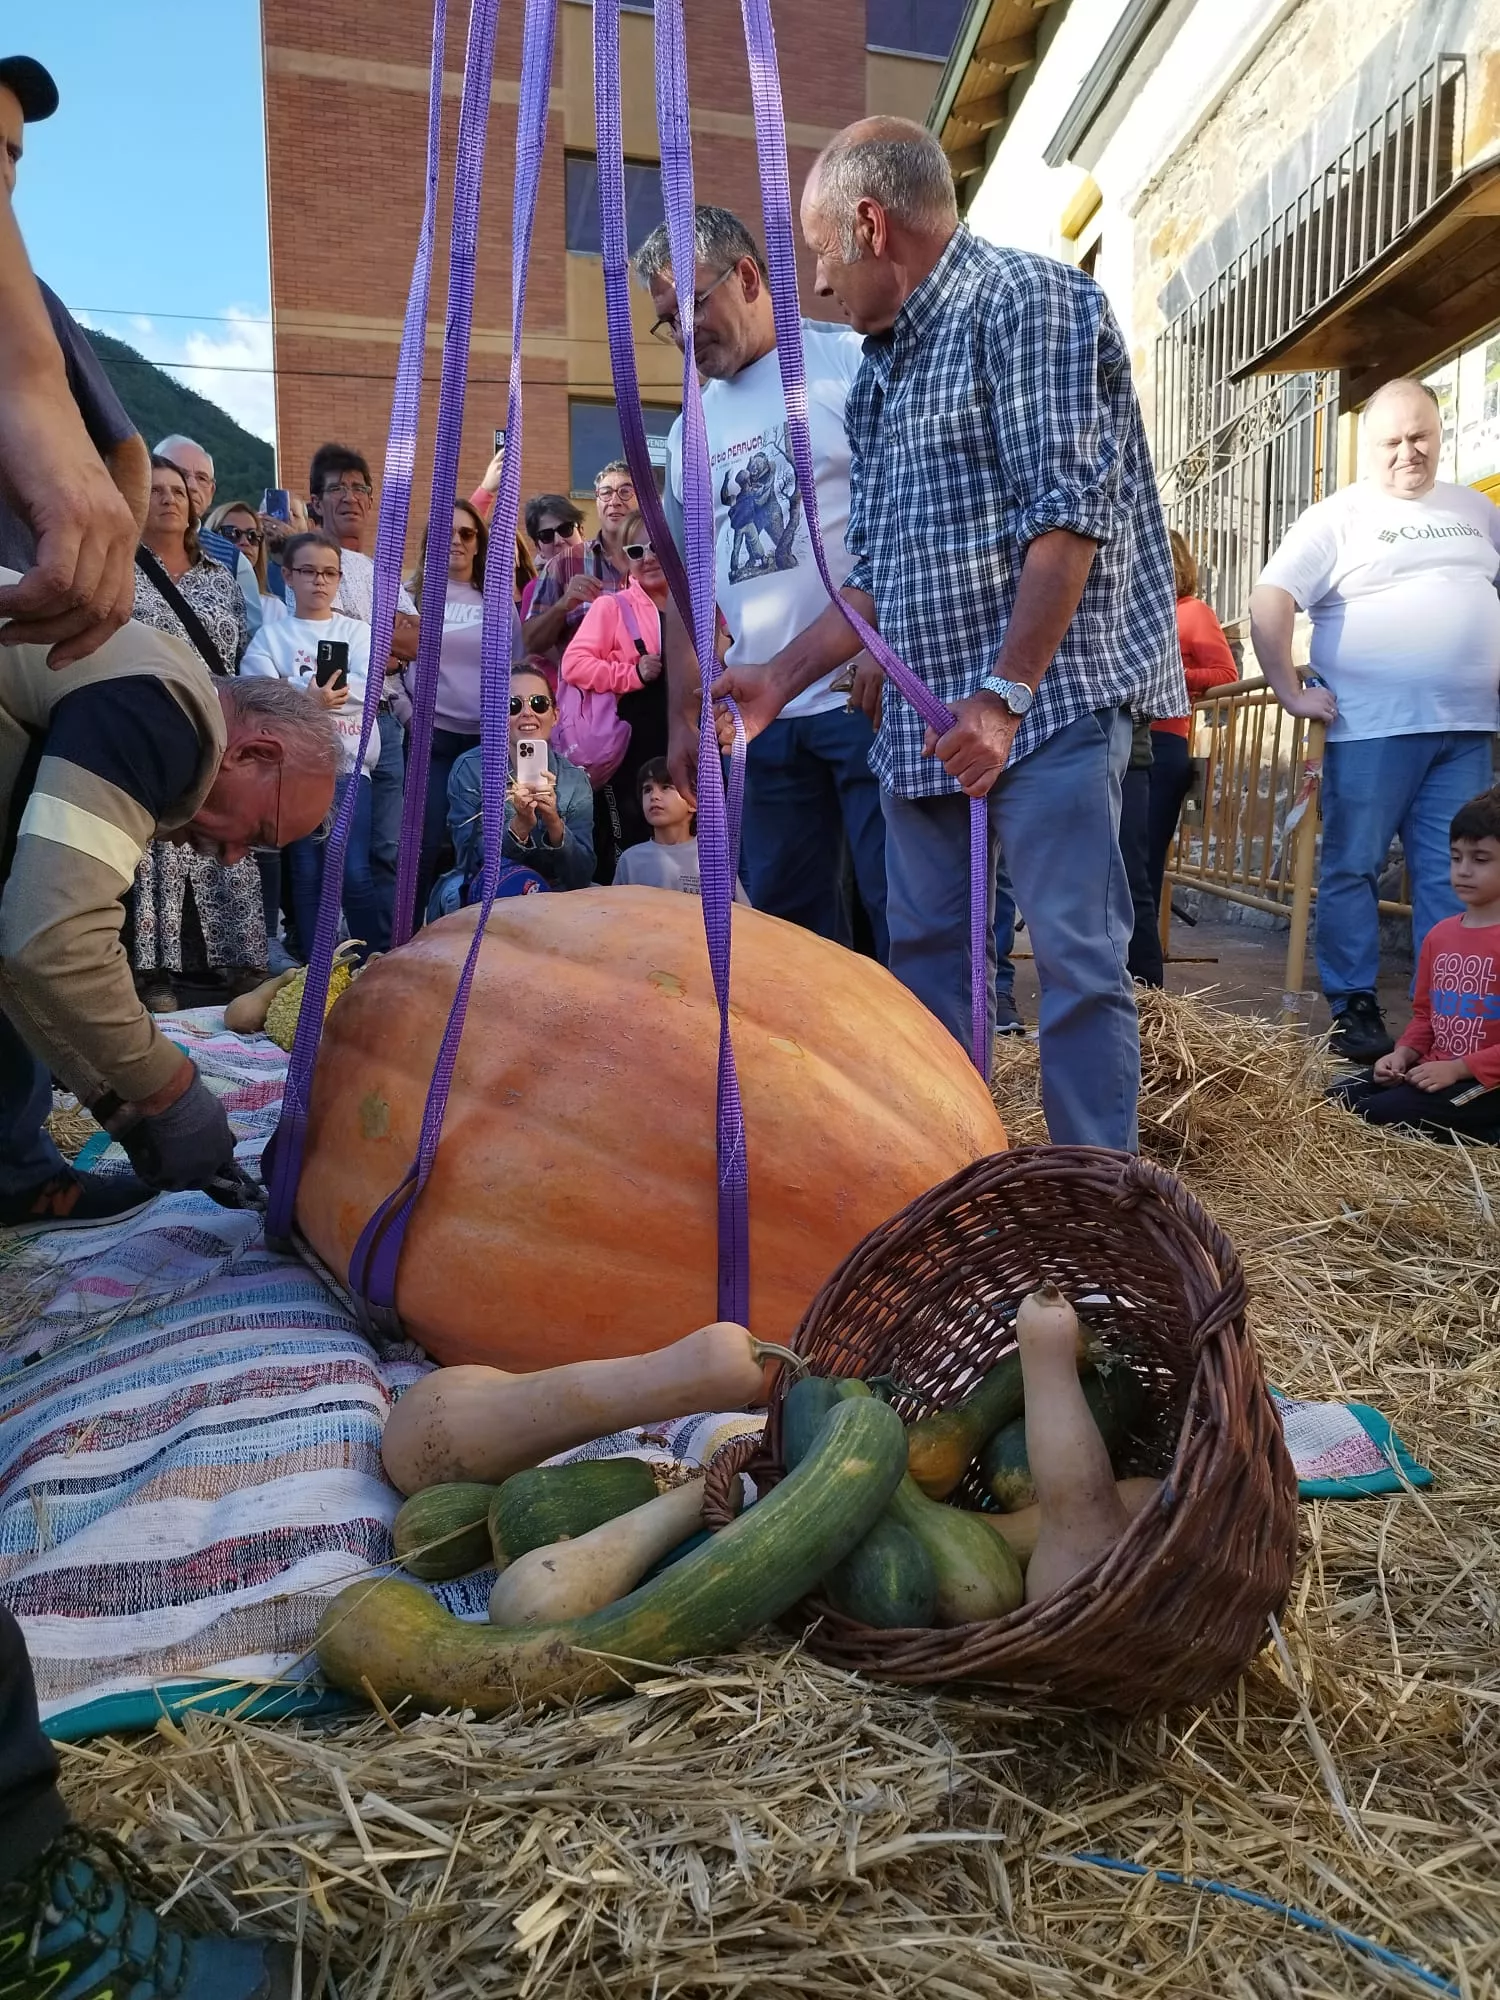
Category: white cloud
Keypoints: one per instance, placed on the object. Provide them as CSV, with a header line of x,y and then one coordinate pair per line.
x,y
228,361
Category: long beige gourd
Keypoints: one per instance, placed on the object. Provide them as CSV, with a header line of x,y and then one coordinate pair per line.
x,y
574,1579
484,1424
1020,1528
1079,1513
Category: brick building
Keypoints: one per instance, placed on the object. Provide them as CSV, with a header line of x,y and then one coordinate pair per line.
x,y
346,106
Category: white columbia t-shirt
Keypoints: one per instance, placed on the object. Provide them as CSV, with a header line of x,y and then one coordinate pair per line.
x,y
1405,616
768,585
288,648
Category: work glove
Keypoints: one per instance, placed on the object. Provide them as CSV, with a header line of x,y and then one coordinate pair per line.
x,y
185,1146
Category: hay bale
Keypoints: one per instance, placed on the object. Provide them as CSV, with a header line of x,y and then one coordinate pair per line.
x,y
768,1827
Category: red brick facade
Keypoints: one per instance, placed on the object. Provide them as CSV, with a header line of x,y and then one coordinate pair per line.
x,y
346,107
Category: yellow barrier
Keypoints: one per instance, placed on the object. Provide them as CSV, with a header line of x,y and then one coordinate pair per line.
x,y
1249,831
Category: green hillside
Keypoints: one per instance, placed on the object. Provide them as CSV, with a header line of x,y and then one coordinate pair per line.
x,y
243,464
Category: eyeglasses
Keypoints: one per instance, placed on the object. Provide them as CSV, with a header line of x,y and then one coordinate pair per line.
x,y
315,575
465,535
669,326
248,538
638,551
625,492
356,488
563,533
537,703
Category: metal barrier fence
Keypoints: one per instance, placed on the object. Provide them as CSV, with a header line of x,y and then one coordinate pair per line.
x,y
1249,831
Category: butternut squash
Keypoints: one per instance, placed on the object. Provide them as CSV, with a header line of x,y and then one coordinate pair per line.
x,y
573,1579
246,1012
473,1423
1080,1516
1019,1529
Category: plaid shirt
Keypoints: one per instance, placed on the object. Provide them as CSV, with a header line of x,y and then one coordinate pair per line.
x,y
998,407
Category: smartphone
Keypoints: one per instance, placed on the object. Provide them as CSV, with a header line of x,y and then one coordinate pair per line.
x,y
277,502
499,440
531,760
333,663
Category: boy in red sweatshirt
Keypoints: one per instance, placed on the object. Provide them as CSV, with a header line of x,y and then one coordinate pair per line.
x,y
1443,1076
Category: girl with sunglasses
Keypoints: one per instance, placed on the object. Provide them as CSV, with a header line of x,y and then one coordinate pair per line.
x,y
617,651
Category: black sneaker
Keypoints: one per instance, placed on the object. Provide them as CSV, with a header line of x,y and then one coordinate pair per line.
x,y
1007,1020
74,1201
1359,1031
80,1925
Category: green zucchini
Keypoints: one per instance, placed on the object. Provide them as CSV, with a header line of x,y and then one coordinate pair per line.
x,y
556,1503
976,1571
888,1581
807,1403
394,1642
1117,1400
444,1531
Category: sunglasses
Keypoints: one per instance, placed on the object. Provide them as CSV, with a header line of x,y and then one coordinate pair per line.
x,y
464,535
248,538
562,534
638,551
537,703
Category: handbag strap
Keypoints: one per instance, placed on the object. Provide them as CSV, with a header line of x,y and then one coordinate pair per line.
x,y
153,569
632,623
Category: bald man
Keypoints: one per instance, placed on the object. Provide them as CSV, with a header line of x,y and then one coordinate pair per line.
x,y
1397,573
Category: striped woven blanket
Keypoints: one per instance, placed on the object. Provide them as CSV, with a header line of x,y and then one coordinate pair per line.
x,y
190,1446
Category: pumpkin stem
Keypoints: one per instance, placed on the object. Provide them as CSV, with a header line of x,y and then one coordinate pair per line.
x,y
768,1349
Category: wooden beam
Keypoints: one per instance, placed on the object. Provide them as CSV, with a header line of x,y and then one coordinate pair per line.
x,y
966,160
1016,52
982,114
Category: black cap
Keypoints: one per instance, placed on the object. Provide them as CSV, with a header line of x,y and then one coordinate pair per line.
x,y
32,84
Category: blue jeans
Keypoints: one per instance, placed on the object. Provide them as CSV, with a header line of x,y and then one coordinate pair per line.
x,y
27,1155
1373,789
1057,815
808,786
447,747
388,782
305,871
1005,931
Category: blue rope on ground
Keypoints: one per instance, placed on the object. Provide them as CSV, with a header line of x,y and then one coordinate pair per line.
x,y
1379,1952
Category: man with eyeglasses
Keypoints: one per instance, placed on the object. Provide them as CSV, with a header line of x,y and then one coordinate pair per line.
x,y
811,800
576,572
342,501
197,469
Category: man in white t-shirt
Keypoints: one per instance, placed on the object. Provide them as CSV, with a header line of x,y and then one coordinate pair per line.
x,y
1397,573
809,789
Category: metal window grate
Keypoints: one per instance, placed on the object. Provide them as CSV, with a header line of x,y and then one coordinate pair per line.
x,y
1241,459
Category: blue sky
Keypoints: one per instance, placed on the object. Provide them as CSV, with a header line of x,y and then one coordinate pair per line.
x,y
143,201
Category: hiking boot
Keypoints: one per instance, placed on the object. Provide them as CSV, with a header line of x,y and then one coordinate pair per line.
x,y
80,1925
71,1200
1359,1031
1007,1020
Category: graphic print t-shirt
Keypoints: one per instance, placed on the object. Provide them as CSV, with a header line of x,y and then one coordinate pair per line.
x,y
1457,1008
768,585
1401,593
289,648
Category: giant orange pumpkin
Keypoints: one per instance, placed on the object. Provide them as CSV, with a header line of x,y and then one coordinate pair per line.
x,y
571,1211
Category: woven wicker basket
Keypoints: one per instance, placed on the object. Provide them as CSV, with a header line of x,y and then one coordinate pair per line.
x,y
1180,1605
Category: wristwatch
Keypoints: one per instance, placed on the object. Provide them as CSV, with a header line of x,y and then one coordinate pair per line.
x,y
1015,694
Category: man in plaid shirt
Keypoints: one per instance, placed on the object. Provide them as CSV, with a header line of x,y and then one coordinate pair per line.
x,y
1008,542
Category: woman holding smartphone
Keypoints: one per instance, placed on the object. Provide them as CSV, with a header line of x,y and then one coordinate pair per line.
x,y
617,650
322,650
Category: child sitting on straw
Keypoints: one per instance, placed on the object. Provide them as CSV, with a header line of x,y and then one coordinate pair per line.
x,y
669,859
1443,1076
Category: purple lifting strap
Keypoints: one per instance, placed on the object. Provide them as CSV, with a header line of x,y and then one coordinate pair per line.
x,y
377,1255
288,1145
776,202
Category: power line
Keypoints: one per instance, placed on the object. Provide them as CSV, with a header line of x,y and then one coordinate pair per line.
x,y
358,375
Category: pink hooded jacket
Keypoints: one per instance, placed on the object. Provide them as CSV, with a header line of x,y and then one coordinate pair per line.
x,y
602,655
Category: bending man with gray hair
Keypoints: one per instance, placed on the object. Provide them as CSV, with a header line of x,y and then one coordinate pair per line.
x,y
1397,572
1006,537
808,786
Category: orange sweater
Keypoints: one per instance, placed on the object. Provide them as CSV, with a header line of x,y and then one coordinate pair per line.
x,y
1206,658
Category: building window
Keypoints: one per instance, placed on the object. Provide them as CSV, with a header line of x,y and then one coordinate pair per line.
x,y
643,204
594,439
913,27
